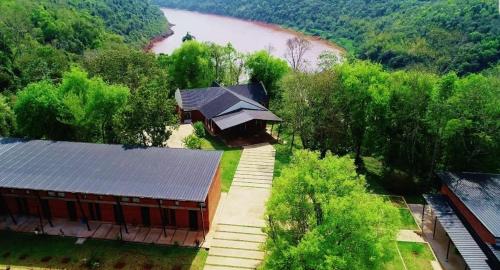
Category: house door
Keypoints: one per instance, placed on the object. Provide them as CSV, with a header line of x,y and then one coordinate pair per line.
x,y
22,206
46,209
71,210
193,220
146,221
3,207
95,211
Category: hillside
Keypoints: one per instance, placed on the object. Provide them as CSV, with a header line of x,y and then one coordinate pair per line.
x,y
440,36
39,39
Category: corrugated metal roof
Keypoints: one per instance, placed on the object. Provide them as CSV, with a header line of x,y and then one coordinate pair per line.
x,y
470,251
160,173
243,116
480,193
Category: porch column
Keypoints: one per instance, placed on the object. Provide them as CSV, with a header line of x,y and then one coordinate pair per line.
x,y
202,220
448,249
40,208
40,219
162,218
83,212
8,209
434,229
423,218
121,214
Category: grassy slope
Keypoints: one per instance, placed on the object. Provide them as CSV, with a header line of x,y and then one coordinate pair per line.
x,y
417,256
230,159
135,256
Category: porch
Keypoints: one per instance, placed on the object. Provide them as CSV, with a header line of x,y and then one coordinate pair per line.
x,y
104,230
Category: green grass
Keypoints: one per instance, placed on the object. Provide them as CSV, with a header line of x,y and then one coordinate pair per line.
x,y
229,162
407,220
13,246
417,256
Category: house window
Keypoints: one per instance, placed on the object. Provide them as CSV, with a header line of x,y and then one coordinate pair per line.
x,y
125,199
61,194
136,200
51,193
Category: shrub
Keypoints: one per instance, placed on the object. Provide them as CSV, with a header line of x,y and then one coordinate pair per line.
x,y
199,129
192,142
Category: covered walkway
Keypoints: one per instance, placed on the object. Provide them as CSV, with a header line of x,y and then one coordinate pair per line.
x,y
443,217
103,230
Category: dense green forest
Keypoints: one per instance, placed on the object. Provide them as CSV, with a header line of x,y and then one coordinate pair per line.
x,y
440,36
40,39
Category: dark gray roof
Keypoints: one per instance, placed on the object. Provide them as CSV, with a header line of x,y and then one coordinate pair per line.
x,y
254,91
470,251
196,99
480,193
243,116
160,173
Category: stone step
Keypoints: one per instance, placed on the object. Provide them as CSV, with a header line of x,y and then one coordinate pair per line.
x,y
250,185
234,262
253,173
222,243
257,162
240,237
239,229
260,168
253,180
218,267
236,253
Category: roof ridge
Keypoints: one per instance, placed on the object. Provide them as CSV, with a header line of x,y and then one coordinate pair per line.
x,y
243,98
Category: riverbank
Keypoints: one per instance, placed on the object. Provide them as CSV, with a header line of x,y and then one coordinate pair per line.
x,y
245,36
152,43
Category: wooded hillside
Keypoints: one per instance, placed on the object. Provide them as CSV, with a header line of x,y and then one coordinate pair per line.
x,y
440,36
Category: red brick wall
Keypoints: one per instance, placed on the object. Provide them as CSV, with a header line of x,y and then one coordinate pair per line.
x,y
132,210
478,227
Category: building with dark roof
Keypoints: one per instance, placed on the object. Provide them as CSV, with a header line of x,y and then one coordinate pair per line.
x,y
240,109
468,208
151,186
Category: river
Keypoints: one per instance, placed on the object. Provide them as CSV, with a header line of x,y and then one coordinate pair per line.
x,y
245,36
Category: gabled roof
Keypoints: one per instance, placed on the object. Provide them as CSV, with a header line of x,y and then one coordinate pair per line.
x,y
480,193
104,169
196,99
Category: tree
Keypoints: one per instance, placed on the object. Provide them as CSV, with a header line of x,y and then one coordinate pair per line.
x,y
296,49
120,64
266,69
187,37
37,110
190,66
145,118
7,118
360,83
312,106
227,62
321,217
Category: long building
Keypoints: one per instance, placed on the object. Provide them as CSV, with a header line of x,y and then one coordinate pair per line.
x,y
157,187
468,209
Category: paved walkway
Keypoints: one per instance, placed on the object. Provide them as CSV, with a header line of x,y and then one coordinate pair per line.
x,y
103,230
175,140
238,238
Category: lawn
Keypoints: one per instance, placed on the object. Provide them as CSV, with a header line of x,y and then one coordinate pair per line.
x,y
407,220
416,256
21,249
229,162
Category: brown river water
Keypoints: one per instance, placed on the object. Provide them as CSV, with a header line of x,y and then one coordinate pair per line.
x,y
245,36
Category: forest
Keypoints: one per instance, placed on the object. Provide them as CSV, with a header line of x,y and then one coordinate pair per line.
x,y
440,36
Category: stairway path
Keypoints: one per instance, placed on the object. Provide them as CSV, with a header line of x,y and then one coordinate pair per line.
x,y
238,238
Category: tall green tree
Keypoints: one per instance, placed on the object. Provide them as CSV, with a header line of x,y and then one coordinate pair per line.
x,y
7,118
269,70
145,118
321,217
37,109
190,66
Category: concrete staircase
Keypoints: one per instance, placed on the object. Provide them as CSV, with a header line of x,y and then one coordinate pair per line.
x,y
238,239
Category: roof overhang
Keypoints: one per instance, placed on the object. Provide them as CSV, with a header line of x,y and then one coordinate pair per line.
x,y
237,118
469,249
